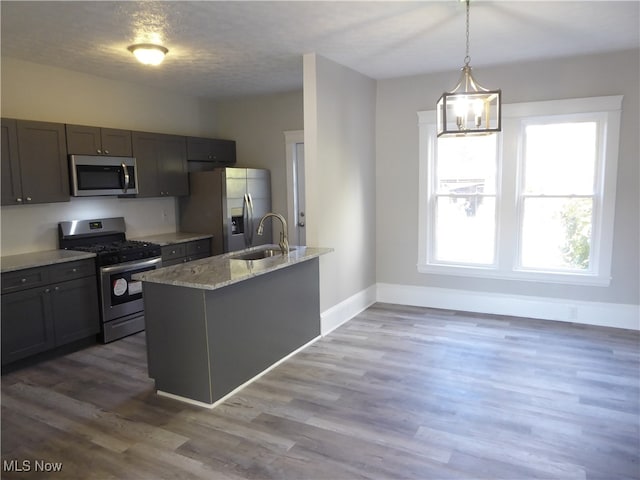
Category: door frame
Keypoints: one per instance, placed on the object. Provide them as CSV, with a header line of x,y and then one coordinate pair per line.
x,y
291,138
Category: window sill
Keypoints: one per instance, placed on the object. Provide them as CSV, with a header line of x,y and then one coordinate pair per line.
x,y
520,275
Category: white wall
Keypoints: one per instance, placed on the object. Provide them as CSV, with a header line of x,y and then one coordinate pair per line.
x,y
398,100
37,92
257,124
339,126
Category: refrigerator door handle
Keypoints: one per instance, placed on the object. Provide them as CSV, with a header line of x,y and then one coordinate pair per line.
x,y
245,219
251,232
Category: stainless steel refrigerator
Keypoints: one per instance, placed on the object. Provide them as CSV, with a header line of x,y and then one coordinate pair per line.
x,y
228,203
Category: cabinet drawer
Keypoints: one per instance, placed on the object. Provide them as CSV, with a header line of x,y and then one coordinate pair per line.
x,y
72,270
171,252
23,279
199,247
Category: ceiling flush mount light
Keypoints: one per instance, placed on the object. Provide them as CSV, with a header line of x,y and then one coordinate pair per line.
x,y
469,109
148,53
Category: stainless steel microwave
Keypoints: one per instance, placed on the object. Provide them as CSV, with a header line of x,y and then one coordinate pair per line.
x,y
93,175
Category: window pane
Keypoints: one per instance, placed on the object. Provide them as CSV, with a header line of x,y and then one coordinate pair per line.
x,y
465,230
556,233
466,164
560,158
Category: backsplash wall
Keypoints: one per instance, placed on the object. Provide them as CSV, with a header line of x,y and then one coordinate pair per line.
x,y
29,228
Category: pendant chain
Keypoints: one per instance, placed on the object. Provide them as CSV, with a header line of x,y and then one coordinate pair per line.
x,y
467,59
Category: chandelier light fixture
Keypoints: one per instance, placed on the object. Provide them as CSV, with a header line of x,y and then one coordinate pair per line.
x,y
148,53
469,109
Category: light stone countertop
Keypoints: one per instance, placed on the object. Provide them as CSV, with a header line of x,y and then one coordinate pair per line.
x,y
12,263
216,272
171,238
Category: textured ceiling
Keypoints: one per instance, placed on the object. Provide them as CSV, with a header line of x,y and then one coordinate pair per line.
x,y
232,48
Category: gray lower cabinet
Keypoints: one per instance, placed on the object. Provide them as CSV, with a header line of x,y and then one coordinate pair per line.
x,y
48,307
34,162
185,252
162,164
27,324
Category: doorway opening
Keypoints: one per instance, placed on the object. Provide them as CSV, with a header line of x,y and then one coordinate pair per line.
x,y
296,220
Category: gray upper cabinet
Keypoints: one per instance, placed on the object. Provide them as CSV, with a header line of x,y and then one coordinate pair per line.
x,y
162,164
85,140
11,183
34,162
220,152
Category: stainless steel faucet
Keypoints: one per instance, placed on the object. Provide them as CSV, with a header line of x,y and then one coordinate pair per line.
x,y
284,242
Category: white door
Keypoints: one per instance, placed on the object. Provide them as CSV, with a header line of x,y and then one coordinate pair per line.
x,y
296,219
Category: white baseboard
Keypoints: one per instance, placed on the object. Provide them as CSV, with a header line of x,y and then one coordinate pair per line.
x,y
590,313
344,311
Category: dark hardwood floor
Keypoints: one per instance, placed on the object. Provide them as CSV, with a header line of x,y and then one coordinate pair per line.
x,y
397,392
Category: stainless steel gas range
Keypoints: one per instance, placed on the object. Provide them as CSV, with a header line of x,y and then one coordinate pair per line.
x,y
117,259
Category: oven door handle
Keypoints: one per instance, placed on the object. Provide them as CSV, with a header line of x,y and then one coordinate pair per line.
x,y
125,267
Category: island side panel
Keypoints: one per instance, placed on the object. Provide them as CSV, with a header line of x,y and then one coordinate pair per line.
x,y
255,323
177,349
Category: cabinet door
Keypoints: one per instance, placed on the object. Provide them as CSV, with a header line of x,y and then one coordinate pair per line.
x,y
145,149
43,162
11,185
172,166
75,310
198,249
116,142
83,140
220,152
223,152
27,326
198,149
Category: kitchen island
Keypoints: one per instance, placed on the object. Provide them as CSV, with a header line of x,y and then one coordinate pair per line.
x,y
214,324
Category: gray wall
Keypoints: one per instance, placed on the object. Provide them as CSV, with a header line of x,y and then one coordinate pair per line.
x,y
257,124
398,100
339,119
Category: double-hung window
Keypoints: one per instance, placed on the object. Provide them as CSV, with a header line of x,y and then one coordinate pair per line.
x,y
535,202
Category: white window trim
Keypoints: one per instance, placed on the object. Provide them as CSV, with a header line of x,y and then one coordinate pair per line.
x,y
506,256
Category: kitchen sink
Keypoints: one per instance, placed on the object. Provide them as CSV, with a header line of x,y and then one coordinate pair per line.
x,y
259,254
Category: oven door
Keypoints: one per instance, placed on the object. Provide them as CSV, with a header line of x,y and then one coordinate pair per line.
x,y
120,295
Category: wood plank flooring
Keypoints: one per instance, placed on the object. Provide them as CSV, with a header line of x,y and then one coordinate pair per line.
x,y
396,393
